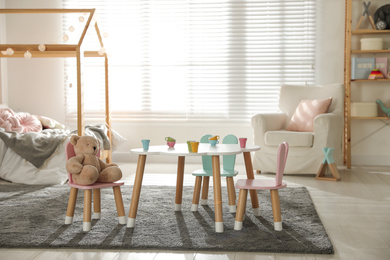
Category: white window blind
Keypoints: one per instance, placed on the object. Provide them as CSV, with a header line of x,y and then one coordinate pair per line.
x,y
192,60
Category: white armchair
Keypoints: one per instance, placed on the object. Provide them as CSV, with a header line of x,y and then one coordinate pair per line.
x,y
305,154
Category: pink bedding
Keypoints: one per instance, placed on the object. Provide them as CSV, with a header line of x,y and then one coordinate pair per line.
x,y
21,122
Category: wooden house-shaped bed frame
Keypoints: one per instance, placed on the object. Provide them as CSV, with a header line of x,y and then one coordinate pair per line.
x,y
77,51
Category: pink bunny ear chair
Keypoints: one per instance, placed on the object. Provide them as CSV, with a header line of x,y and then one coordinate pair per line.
x,y
260,184
69,151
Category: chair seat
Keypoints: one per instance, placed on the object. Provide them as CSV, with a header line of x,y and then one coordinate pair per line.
x,y
224,173
96,185
294,139
263,184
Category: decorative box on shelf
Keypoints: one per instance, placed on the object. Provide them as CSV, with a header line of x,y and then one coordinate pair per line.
x,y
371,44
364,109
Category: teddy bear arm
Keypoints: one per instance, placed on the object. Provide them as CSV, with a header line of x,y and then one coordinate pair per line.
x,y
74,164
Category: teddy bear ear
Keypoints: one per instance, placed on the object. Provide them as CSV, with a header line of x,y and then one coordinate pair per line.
x,y
73,139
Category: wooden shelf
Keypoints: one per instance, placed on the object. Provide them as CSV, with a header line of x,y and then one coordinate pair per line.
x,y
365,80
370,51
370,118
351,36
370,31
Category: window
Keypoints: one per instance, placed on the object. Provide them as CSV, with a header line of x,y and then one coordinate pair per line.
x,y
191,60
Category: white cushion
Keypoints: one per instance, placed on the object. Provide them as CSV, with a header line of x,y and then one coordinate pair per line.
x,y
294,139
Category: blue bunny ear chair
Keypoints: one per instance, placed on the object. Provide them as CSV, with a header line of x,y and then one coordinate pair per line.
x,y
206,172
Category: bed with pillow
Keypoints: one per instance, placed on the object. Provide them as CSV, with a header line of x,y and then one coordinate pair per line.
x,y
32,148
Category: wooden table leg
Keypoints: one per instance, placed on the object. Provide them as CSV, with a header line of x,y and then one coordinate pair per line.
x,y
179,182
217,194
250,175
136,190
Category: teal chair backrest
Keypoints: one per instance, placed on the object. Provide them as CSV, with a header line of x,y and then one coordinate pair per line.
x,y
229,160
206,159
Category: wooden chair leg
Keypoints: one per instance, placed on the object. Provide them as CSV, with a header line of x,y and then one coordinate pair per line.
x,y
96,204
205,190
231,194
119,205
195,198
241,205
71,205
276,210
87,210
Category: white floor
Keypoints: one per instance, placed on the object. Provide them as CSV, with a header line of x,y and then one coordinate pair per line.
x,y
355,212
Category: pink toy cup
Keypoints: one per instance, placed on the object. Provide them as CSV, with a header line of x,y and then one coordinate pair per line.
x,y
243,142
171,144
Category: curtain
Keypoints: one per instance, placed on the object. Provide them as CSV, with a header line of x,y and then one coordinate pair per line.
x,y
192,60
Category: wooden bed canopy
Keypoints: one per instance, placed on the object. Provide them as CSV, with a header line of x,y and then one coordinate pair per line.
x,y
77,51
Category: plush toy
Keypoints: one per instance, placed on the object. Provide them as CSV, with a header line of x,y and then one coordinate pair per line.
x,y
86,168
383,14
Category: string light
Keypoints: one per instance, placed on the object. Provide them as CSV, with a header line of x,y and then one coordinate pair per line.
x,y
10,51
27,55
65,38
42,47
102,51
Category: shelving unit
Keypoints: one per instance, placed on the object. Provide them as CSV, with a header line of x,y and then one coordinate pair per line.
x,y
348,82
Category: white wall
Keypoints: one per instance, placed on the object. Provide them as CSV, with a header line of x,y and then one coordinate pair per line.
x,y
35,85
46,76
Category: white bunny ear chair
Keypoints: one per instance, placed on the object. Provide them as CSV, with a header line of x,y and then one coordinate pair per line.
x,y
264,184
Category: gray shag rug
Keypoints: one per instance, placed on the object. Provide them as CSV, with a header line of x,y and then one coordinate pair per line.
x,y
33,217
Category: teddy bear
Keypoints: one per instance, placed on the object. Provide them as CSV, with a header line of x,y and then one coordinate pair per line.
x,y
86,168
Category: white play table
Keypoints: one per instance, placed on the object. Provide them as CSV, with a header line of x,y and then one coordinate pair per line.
x,y
181,151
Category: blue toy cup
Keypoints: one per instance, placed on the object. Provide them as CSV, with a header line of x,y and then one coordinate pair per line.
x,y
145,144
213,142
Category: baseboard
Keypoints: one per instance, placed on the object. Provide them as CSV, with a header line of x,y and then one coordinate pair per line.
x,y
371,160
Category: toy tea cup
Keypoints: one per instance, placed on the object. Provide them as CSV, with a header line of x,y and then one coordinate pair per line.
x,y
170,139
145,144
189,145
213,142
242,142
215,137
194,147
171,144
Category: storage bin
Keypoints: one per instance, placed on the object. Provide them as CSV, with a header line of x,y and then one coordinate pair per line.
x,y
371,44
364,109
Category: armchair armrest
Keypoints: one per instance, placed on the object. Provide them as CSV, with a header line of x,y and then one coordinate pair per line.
x,y
328,130
269,121
264,122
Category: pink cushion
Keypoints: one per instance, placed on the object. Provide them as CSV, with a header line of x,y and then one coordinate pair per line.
x,y
307,110
29,123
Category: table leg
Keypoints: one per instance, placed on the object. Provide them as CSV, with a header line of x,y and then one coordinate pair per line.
x,y
250,175
136,190
217,194
179,182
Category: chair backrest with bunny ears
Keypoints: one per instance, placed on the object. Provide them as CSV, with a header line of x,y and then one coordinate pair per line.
x,y
281,162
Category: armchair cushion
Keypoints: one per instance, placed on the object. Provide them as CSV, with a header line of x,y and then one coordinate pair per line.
x,y
294,139
304,115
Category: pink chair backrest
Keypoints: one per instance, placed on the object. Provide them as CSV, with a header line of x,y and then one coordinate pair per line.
x,y
281,163
69,153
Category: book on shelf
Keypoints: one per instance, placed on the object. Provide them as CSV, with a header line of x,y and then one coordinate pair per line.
x,y
362,67
381,63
